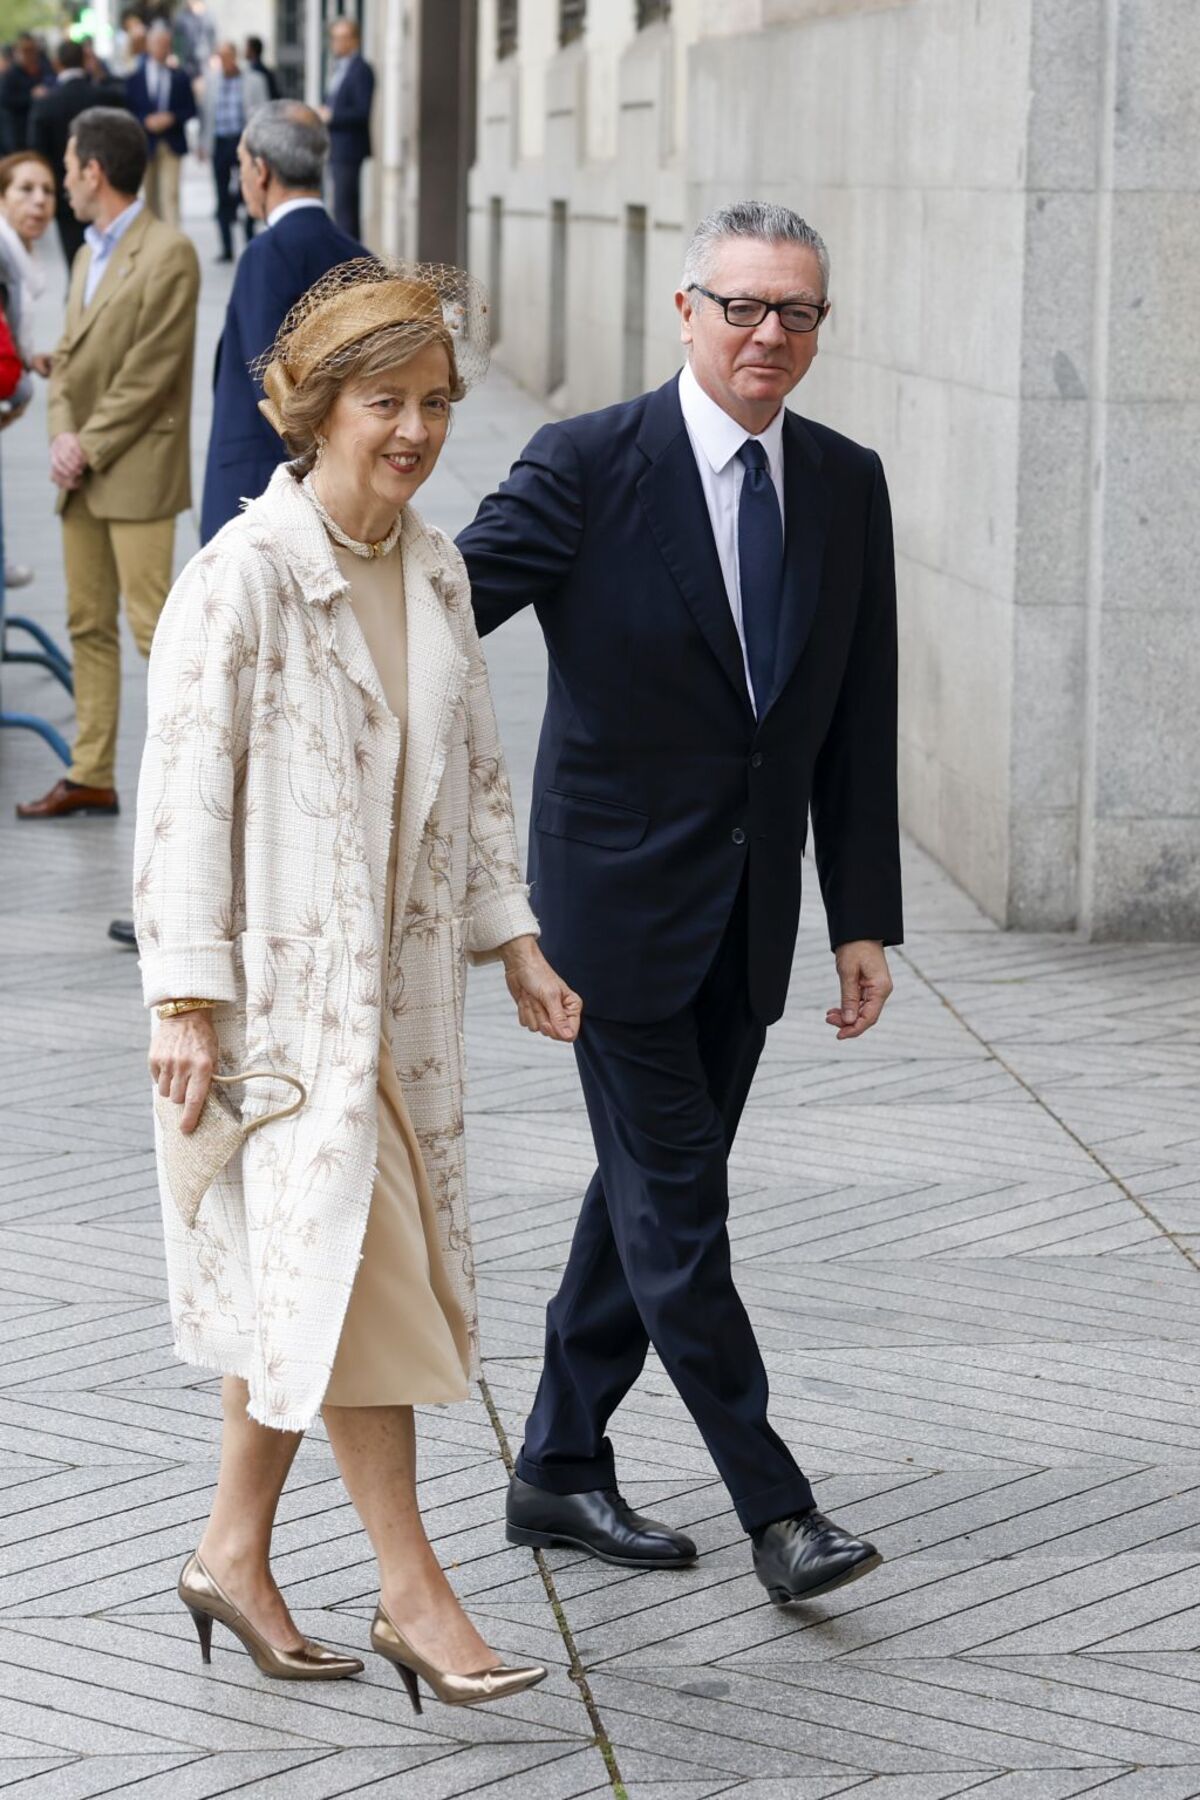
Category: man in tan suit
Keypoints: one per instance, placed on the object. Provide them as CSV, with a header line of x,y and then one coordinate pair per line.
x,y
120,399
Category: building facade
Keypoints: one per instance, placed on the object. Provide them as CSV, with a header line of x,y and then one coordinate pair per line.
x,y
1010,190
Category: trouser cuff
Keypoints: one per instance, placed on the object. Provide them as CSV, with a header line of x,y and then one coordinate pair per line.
x,y
778,1502
568,1477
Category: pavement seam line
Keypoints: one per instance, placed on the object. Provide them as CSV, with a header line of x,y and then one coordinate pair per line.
x,y
1093,1156
577,1673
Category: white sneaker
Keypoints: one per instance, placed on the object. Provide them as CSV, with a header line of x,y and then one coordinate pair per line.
x,y
17,575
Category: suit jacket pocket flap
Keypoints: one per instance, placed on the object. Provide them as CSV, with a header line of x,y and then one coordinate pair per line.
x,y
591,821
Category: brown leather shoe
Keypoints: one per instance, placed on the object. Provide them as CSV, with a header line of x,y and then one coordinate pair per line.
x,y
67,797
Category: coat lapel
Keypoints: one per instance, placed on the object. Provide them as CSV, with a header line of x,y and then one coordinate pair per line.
x,y
673,497
807,504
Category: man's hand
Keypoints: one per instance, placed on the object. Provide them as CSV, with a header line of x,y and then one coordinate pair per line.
x,y
863,972
68,460
325,112
159,121
544,1002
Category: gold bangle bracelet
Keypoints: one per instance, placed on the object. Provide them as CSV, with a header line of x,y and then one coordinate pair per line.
x,y
170,1008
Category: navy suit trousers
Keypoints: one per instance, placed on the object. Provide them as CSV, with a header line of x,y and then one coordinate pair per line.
x,y
650,1260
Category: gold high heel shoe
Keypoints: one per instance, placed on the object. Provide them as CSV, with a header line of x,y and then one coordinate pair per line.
x,y
206,1600
452,1690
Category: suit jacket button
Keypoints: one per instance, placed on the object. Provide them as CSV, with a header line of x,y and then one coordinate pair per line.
x,y
756,761
739,836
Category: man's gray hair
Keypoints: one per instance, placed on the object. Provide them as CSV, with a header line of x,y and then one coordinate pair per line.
x,y
761,219
291,139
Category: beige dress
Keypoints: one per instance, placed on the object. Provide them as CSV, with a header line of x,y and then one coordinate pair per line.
x,y
404,1341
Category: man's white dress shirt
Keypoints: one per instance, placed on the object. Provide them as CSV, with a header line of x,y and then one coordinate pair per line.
x,y
102,244
716,440
287,206
158,84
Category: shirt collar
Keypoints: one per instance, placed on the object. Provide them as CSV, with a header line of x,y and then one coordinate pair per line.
x,y
71,75
104,242
719,437
286,206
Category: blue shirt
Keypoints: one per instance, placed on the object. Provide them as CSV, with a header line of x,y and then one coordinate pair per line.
x,y
229,113
102,244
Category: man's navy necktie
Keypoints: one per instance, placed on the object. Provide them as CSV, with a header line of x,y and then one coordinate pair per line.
x,y
760,568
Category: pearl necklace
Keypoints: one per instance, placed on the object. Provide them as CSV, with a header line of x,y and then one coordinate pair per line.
x,y
367,550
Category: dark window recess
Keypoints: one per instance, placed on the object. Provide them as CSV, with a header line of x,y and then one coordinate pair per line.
x,y
572,18
650,11
506,27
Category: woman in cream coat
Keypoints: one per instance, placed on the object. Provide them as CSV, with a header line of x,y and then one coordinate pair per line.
x,y
321,760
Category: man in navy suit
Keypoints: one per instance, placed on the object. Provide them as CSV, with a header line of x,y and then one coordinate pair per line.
x,y
281,157
714,577
161,98
347,112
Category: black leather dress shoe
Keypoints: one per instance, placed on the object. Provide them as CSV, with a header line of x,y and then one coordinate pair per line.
x,y
801,1557
599,1522
121,932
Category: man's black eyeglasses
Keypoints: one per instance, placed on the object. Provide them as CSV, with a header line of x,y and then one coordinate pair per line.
x,y
794,315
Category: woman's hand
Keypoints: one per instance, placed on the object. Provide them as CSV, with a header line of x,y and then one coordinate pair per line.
x,y
544,1002
183,1055
42,364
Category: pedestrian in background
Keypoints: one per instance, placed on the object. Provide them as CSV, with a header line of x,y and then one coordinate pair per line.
x,y
129,45
254,60
51,122
196,39
347,112
27,78
282,161
161,98
231,96
119,410
715,580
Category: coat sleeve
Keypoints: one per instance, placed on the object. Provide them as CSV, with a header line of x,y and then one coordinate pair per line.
x,y
199,693
162,346
498,906
525,536
856,829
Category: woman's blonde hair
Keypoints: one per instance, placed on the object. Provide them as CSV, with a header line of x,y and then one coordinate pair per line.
x,y
304,409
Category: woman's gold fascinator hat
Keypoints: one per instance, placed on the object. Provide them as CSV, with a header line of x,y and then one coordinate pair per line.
x,y
357,299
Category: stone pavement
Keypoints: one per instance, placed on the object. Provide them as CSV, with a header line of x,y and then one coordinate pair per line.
x,y
970,1246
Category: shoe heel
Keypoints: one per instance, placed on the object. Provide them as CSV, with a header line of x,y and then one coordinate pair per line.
x,y
203,1623
780,1596
409,1678
535,1540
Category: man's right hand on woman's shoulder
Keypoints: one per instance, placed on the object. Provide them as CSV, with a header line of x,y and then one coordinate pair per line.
x,y
183,1055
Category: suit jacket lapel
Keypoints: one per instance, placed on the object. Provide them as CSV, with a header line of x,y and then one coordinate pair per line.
x,y
112,279
671,492
807,503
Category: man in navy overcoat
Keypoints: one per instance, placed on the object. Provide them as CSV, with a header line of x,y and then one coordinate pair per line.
x,y
714,577
281,157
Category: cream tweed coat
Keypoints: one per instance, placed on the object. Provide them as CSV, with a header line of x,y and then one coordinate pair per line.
x,y
265,812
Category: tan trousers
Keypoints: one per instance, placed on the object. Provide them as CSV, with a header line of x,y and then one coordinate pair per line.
x,y
162,185
103,559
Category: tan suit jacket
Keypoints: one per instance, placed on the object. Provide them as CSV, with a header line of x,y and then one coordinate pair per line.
x,y
122,374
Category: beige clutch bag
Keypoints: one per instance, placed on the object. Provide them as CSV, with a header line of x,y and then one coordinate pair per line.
x,y
193,1161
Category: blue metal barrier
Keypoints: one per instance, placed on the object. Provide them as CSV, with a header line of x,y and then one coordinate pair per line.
x,y
47,656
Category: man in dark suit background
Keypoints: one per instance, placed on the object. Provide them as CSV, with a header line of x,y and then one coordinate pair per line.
x,y
254,60
27,77
50,124
161,98
347,112
282,159
714,577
